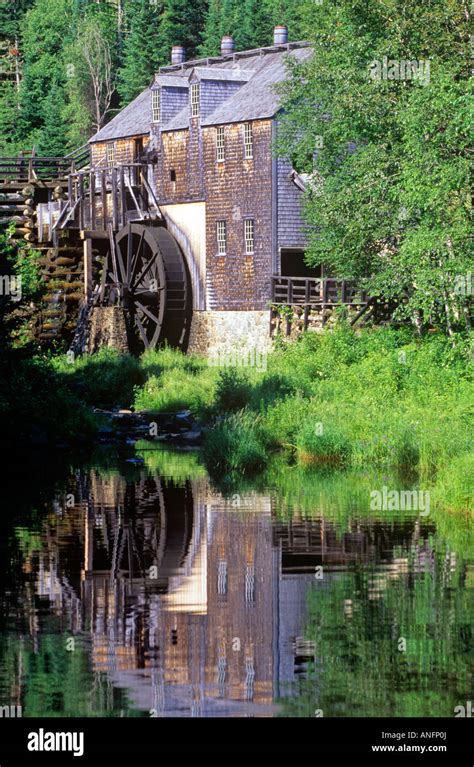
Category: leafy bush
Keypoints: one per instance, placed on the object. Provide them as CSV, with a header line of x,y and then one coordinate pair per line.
x,y
233,391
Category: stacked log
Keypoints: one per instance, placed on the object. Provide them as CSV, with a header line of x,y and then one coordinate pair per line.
x,y
63,275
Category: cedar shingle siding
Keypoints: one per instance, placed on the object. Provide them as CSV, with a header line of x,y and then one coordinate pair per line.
x,y
234,90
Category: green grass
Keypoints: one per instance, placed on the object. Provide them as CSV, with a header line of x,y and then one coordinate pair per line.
x,y
377,398
233,445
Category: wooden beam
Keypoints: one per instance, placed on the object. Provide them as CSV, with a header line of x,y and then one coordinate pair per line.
x,y
87,267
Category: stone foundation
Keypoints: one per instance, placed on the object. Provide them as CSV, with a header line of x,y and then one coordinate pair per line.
x,y
237,333
107,328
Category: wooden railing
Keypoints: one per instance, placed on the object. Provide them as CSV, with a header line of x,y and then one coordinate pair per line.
x,y
100,197
80,157
310,290
29,167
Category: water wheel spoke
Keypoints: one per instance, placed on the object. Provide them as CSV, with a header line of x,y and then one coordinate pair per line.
x,y
136,258
142,263
121,264
144,271
147,291
141,329
148,313
103,278
129,254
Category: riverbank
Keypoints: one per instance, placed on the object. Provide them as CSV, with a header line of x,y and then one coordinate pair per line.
x,y
375,399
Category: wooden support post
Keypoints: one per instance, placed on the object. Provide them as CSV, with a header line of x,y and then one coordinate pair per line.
x,y
115,213
306,316
92,203
123,198
70,191
87,267
81,203
104,200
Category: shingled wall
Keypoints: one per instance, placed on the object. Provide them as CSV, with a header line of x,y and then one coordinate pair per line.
x,y
239,189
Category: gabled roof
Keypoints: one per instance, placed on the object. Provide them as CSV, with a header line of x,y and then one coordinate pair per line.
x,y
133,120
258,98
258,70
237,75
170,81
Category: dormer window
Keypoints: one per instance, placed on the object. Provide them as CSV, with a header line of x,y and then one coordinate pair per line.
x,y
195,100
155,106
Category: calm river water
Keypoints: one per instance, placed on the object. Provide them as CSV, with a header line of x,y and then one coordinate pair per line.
x,y
135,587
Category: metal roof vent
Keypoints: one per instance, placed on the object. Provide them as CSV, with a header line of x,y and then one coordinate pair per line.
x,y
177,54
280,35
227,45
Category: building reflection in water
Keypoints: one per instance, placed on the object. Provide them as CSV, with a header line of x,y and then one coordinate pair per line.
x,y
194,604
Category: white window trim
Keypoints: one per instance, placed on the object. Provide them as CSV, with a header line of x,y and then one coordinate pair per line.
x,y
156,106
221,234
248,141
249,227
110,154
220,144
222,578
195,96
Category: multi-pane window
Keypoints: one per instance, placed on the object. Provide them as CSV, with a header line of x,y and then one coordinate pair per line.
x,y
221,238
249,678
155,106
222,578
220,144
248,141
110,154
250,584
249,233
195,100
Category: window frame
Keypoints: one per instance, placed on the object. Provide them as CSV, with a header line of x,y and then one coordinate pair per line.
x,y
110,155
156,109
222,578
249,224
195,99
221,229
248,141
220,144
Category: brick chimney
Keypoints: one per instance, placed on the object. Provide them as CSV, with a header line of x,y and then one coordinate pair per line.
x,y
227,45
177,54
280,35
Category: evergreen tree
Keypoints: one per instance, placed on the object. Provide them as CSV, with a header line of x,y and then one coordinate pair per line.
x,y
289,12
211,35
141,54
46,29
11,15
8,118
255,27
52,136
181,24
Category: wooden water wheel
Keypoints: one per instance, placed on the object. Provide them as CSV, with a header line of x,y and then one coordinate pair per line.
x,y
146,274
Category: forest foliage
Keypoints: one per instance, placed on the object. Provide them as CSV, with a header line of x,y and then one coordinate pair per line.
x,y
68,66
